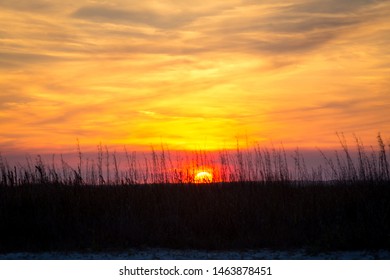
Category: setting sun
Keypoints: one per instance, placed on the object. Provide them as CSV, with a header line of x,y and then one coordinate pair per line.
x,y
179,129
203,177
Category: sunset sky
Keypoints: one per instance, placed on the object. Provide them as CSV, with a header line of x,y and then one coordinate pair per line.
x,y
192,74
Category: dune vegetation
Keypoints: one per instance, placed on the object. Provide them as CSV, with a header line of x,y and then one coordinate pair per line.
x,y
243,199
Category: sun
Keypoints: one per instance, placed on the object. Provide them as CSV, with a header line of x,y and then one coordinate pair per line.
x,y
203,177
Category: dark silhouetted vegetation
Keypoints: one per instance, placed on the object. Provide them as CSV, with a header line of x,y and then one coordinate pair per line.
x,y
258,201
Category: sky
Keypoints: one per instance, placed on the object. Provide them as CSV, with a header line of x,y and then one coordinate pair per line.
x,y
192,74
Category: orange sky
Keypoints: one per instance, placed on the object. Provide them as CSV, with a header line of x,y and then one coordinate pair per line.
x,y
192,74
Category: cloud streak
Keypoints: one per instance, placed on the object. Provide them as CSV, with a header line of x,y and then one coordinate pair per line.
x,y
119,15
25,5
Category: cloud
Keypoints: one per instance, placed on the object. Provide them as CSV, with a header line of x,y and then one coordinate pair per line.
x,y
277,46
148,17
351,114
14,60
110,69
332,6
26,5
10,99
286,28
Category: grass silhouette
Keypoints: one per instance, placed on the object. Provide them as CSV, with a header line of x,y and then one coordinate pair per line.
x,y
256,201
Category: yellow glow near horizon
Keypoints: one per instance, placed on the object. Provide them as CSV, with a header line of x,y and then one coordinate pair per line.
x,y
192,75
203,177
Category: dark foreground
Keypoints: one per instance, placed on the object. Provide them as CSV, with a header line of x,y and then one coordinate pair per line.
x,y
229,216
172,254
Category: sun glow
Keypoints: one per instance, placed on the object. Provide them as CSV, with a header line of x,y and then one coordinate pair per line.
x,y
191,76
203,177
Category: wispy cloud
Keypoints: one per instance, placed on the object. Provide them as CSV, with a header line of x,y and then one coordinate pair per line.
x,y
137,71
26,5
120,15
